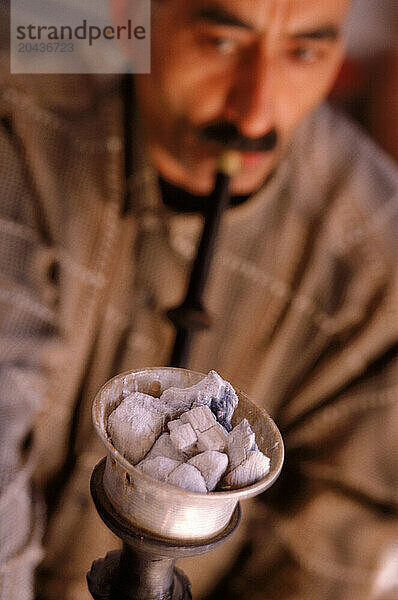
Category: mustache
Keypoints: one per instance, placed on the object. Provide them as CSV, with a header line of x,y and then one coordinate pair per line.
x,y
229,136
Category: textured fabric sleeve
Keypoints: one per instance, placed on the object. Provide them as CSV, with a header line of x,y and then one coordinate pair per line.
x,y
339,517
26,325
339,493
328,529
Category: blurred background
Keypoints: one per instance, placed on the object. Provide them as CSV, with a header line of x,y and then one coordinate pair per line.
x,y
367,86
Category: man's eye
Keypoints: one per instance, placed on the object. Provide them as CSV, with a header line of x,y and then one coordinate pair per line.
x,y
224,45
305,55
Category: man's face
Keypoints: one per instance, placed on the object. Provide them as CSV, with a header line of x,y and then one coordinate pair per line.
x,y
237,74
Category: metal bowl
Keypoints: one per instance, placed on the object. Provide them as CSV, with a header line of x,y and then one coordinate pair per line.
x,y
163,509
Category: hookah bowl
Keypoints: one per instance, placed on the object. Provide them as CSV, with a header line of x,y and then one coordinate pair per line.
x,y
156,521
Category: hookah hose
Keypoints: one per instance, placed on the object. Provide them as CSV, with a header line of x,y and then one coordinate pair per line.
x,y
191,316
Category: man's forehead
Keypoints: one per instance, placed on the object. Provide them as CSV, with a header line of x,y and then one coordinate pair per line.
x,y
262,14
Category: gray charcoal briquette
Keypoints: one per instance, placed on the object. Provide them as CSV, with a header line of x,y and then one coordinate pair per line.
x,y
201,418
212,465
182,399
183,437
240,441
164,447
255,467
159,467
214,438
188,477
134,426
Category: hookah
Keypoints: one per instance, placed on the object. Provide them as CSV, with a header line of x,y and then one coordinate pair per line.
x,y
157,522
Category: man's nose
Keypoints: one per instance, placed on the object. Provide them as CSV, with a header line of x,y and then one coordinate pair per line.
x,y
250,104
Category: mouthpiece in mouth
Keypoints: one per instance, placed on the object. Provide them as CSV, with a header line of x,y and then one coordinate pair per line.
x,y
230,163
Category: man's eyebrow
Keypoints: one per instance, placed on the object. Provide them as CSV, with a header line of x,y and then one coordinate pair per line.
x,y
219,16
328,32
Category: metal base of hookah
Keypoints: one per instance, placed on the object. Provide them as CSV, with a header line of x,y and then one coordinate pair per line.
x,y
145,568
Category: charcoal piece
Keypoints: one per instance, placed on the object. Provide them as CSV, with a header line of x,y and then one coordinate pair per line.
x,y
135,424
218,414
201,418
164,447
255,467
173,424
159,467
153,404
240,441
223,405
188,477
202,393
214,438
202,451
236,455
212,465
183,437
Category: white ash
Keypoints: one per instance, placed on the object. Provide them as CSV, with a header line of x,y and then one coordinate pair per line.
x,y
175,424
197,430
201,393
183,437
159,467
201,450
255,467
164,447
188,477
212,466
214,438
201,418
136,423
240,441
212,391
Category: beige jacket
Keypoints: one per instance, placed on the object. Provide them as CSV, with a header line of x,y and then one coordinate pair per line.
x,y
303,295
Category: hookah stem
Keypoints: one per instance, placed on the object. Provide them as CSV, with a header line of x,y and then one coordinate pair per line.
x,y
191,315
128,102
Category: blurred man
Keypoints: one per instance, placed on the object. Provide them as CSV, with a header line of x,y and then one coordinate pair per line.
x,y
302,289
235,76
